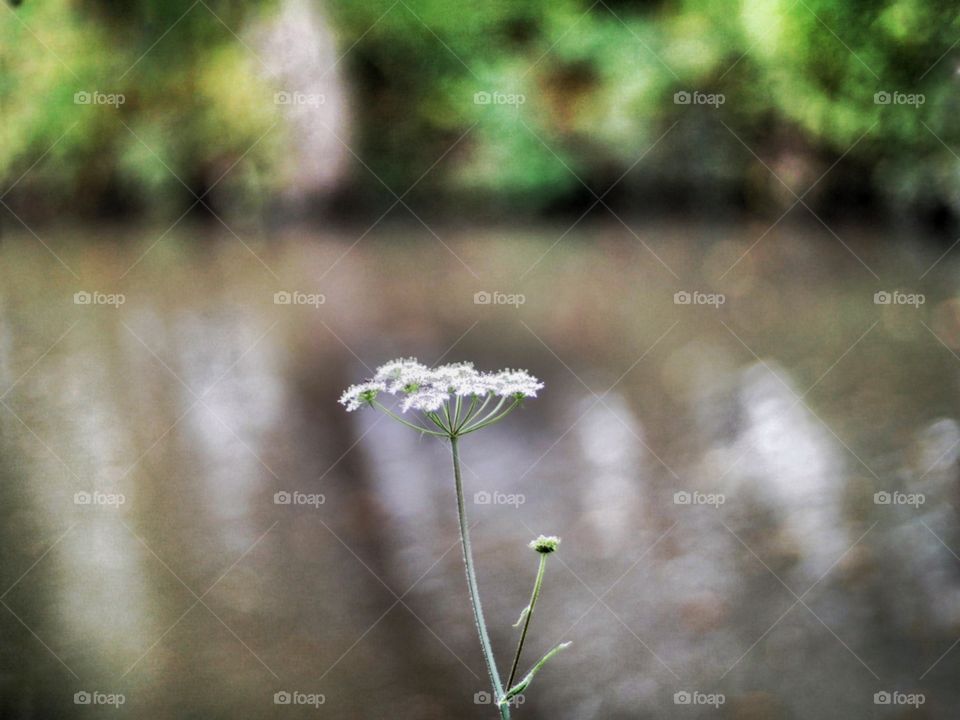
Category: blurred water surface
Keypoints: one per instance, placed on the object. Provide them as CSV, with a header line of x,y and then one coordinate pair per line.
x,y
200,398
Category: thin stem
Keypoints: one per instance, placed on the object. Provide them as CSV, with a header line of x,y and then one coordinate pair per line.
x,y
526,623
399,419
456,412
472,582
474,422
468,413
495,410
489,420
491,412
476,407
435,419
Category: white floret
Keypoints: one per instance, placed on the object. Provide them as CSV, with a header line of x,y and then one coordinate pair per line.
x,y
402,373
352,399
427,399
516,382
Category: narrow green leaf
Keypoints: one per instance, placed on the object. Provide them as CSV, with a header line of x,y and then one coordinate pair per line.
x,y
522,685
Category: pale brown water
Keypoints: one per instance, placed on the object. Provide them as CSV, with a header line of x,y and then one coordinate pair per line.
x,y
199,398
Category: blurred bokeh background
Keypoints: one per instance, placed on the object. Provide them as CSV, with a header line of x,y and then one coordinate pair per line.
x,y
721,232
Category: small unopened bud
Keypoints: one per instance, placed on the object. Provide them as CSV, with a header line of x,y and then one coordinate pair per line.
x,y
545,544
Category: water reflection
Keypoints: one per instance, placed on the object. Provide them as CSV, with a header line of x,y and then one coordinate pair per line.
x,y
199,400
790,465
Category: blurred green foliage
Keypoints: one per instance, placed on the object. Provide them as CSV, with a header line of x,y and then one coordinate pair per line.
x,y
191,105
597,81
799,80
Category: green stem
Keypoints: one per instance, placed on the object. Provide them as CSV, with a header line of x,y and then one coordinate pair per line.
x,y
526,622
456,412
399,419
472,583
468,414
491,419
474,421
435,419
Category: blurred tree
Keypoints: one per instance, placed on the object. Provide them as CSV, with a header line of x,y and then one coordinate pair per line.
x,y
129,104
580,90
553,101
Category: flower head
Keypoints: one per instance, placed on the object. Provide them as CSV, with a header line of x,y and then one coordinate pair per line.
x,y
401,373
424,398
518,383
365,393
430,390
545,544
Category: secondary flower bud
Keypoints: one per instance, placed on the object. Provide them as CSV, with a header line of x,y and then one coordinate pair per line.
x,y
545,544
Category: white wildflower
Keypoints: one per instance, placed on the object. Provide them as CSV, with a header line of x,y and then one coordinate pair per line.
x,y
515,382
426,399
402,374
428,389
461,379
356,396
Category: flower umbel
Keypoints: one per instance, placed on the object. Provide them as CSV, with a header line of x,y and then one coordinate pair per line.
x,y
452,400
